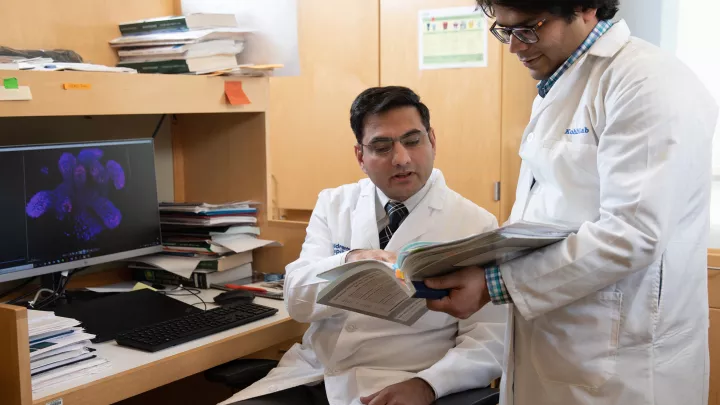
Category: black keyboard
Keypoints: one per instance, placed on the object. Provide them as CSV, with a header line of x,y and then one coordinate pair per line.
x,y
180,330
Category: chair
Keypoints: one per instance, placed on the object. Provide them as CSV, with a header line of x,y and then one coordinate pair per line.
x,y
240,374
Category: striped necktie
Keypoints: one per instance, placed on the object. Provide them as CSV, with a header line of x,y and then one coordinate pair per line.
x,y
397,212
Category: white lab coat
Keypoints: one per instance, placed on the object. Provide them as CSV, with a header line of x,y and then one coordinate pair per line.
x,y
618,313
358,355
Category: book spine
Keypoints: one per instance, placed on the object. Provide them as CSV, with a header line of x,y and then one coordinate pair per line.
x,y
196,245
151,27
167,66
207,265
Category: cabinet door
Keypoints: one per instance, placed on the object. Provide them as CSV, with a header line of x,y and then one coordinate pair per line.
x,y
465,104
311,143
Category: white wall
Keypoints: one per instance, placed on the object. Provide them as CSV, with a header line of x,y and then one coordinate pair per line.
x,y
688,29
652,20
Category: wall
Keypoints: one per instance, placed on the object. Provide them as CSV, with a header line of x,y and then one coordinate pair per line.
x,y
678,27
652,20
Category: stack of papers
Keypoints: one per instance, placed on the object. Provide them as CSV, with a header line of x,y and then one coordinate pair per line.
x,y
204,244
60,350
47,64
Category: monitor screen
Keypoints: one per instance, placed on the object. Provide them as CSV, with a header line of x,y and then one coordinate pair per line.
x,y
74,205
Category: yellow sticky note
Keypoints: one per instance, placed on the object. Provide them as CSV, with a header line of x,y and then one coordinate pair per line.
x,y
142,286
77,86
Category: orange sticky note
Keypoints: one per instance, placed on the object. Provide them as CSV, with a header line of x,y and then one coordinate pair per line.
x,y
77,86
235,93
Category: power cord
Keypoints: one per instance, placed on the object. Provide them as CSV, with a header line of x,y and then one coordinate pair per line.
x,y
180,289
58,293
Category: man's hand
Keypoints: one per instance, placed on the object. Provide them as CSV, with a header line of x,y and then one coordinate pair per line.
x,y
468,292
382,255
415,391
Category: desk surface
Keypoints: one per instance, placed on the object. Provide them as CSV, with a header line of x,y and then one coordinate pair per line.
x,y
132,372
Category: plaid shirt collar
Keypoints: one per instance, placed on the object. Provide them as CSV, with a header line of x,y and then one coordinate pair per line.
x,y
601,28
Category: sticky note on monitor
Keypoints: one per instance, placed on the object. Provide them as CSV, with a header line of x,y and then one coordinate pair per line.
x,y
235,93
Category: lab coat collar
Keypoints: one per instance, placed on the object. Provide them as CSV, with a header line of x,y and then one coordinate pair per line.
x,y
364,220
612,41
608,45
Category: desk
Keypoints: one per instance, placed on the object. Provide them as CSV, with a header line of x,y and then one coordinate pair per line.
x,y
133,372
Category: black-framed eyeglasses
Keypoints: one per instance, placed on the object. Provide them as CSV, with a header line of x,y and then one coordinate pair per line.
x,y
383,146
527,35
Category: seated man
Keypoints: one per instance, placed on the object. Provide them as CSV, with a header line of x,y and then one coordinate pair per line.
x,y
349,358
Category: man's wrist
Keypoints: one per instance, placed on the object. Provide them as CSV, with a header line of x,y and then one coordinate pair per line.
x,y
430,390
495,286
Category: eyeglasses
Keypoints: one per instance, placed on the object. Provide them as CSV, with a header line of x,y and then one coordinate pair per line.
x,y
383,146
527,35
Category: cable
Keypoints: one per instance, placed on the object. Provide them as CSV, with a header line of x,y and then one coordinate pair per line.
x,y
159,124
17,287
198,297
181,288
59,290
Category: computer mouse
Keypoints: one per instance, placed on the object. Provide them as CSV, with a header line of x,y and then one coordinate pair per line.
x,y
232,297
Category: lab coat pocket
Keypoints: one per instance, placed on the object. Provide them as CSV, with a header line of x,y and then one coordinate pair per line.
x,y
577,344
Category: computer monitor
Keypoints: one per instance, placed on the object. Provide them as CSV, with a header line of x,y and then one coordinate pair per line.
x,y
66,206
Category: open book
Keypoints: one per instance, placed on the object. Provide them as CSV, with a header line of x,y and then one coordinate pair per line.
x,y
397,292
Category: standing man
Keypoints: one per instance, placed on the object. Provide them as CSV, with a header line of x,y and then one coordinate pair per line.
x,y
619,148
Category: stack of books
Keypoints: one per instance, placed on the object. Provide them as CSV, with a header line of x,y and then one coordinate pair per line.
x,y
204,244
59,350
196,43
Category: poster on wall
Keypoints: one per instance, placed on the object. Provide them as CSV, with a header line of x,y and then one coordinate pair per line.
x,y
452,38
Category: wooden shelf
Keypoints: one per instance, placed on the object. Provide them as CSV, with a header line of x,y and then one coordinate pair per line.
x,y
126,94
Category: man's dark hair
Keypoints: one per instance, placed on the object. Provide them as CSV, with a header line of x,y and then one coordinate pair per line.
x,y
378,100
606,9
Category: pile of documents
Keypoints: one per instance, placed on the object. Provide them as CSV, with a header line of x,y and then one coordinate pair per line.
x,y
196,43
48,64
59,350
204,244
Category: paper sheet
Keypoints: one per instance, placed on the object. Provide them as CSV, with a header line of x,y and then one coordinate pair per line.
x,y
125,286
452,38
239,245
53,344
182,266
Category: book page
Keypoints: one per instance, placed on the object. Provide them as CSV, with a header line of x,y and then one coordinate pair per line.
x,y
374,293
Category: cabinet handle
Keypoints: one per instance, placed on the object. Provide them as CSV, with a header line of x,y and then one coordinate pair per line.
x,y
714,268
497,191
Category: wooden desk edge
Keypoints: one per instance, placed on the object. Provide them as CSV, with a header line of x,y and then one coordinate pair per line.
x,y
156,374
